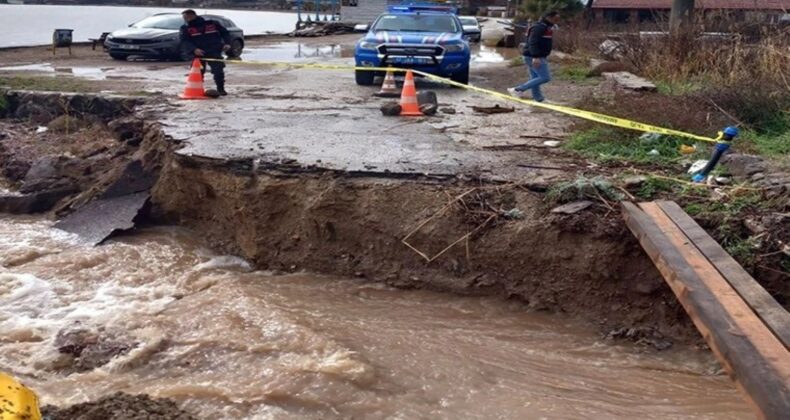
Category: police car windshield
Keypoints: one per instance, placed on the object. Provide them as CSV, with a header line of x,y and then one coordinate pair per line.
x,y
160,22
417,23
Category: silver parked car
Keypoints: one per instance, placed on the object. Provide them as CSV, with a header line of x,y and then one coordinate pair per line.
x,y
472,30
157,36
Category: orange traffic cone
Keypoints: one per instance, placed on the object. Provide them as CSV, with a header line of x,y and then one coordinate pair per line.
x,y
194,88
408,98
389,89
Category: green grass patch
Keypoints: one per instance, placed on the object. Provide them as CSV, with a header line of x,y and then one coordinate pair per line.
x,y
573,72
607,145
725,216
583,188
48,84
653,186
773,142
678,87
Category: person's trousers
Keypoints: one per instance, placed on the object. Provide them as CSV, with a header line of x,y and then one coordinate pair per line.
x,y
217,69
539,76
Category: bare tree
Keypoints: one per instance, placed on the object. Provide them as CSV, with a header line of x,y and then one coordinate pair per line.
x,y
681,15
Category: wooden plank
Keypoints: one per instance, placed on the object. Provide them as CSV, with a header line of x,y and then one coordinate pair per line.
x,y
762,385
776,318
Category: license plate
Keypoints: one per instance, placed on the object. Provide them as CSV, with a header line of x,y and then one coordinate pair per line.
x,y
409,60
130,47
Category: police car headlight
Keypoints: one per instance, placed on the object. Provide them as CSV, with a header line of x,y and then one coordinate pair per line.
x,y
367,45
452,48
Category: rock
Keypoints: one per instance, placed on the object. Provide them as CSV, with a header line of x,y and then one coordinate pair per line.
x,y
572,208
89,348
496,109
631,81
755,226
742,166
448,110
101,353
759,176
429,109
599,67
634,181
119,406
44,174
641,335
66,124
35,202
15,170
129,130
612,50
35,113
73,342
391,109
426,97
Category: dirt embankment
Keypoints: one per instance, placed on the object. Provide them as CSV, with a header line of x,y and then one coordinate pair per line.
x,y
586,264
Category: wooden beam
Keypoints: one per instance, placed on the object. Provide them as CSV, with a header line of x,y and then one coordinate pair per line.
x,y
765,383
775,317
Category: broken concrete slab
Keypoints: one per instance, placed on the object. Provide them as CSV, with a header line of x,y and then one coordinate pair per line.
x,y
572,208
99,219
631,81
134,179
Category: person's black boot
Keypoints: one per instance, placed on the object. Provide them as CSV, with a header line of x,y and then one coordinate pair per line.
x,y
221,88
222,92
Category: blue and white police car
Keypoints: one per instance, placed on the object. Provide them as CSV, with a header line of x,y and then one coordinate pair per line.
x,y
428,38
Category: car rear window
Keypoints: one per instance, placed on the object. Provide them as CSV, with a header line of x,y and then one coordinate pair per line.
x,y
468,21
417,23
161,22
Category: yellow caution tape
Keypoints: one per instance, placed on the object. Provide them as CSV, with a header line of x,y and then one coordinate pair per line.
x,y
17,402
579,113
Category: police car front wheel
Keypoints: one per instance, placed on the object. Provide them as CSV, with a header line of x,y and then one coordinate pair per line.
x,y
364,78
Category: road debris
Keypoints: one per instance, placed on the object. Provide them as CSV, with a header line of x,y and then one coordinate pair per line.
x,y
631,81
323,29
496,109
572,208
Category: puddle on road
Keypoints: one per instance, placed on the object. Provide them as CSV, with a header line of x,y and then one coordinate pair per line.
x,y
488,55
296,51
91,73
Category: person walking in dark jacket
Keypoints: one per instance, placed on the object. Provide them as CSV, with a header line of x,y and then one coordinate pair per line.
x,y
536,53
206,39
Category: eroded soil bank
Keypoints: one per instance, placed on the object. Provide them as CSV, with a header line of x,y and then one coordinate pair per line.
x,y
585,264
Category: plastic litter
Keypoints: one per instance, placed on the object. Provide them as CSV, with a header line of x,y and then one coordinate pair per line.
x,y
514,214
697,166
654,152
551,143
41,130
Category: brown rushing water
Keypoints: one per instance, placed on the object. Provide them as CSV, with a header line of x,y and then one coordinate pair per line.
x,y
228,342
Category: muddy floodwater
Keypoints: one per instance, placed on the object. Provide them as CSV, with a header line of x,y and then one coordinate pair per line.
x,y
225,341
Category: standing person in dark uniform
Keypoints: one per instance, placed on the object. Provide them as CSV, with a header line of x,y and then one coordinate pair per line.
x,y
536,54
206,39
